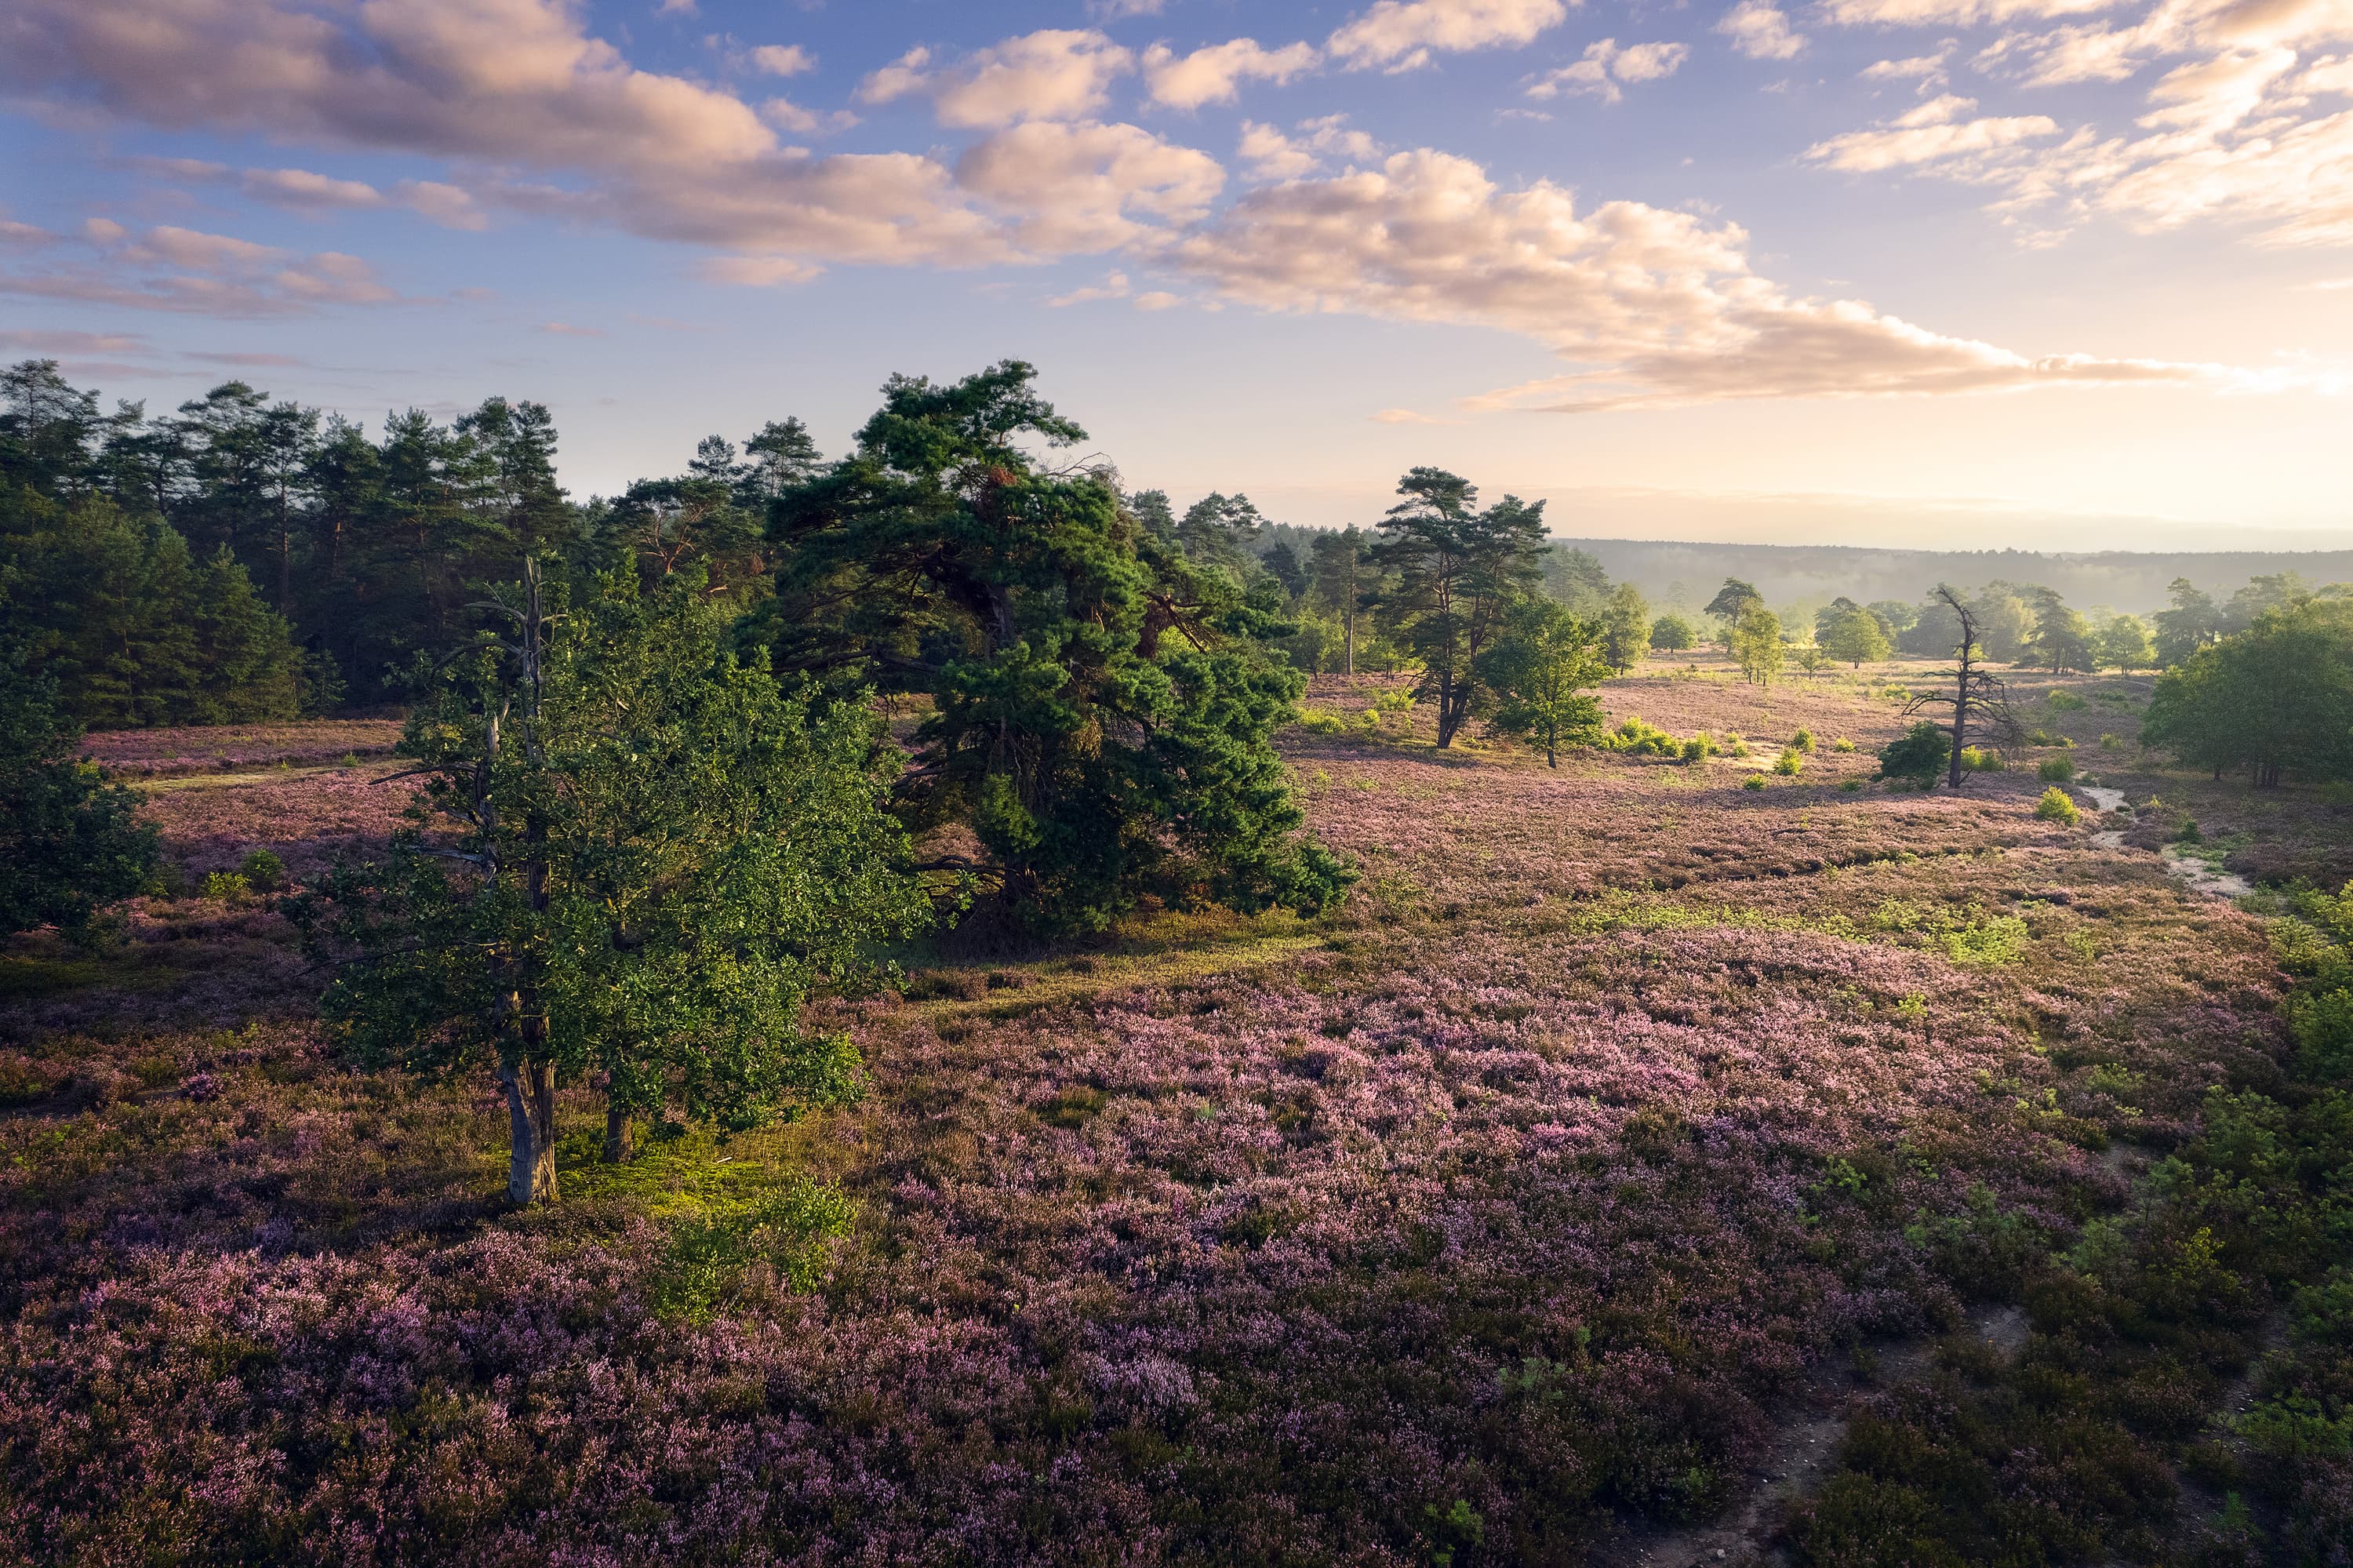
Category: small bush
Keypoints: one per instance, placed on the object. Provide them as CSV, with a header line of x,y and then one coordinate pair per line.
x,y
1802,741
2064,703
2185,832
228,887
262,870
1978,760
2056,806
1696,750
2109,741
1789,763
1754,781
1318,721
1841,744
2056,771
1919,753
2336,793
1853,785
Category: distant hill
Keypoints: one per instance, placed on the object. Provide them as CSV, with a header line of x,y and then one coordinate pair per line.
x,y
2119,579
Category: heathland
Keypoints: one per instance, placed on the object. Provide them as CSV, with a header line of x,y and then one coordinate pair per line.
x,y
1644,1161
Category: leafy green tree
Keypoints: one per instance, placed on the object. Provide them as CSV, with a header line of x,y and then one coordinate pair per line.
x,y
2275,699
1732,600
1625,628
2004,622
1216,530
1755,640
1857,637
633,856
2062,640
1540,670
2261,595
2192,623
1283,566
1103,711
70,843
1343,575
1458,571
2123,643
1896,616
1671,633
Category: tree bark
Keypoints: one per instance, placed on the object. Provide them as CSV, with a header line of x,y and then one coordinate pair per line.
x,y
530,1123
620,1134
1348,640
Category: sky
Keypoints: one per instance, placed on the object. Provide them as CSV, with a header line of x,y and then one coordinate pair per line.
x,y
2054,274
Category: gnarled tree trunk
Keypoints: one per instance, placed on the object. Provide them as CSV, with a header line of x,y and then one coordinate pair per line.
x,y
620,1138
531,1121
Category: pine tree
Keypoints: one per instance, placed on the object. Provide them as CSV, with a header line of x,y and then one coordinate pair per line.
x,y
1458,571
70,844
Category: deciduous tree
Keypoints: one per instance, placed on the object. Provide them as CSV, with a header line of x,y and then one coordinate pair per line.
x,y
1540,671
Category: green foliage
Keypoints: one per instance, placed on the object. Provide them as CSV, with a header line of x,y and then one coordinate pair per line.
x,y
227,887
1540,671
1790,763
2057,805
1857,637
1841,744
1979,759
2056,770
131,628
1756,641
2275,699
1921,754
633,856
1671,633
1754,781
2064,703
1802,741
1459,571
262,870
69,842
788,1225
1104,707
1625,628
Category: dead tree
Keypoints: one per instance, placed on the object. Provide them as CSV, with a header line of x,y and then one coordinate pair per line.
x,y
1978,698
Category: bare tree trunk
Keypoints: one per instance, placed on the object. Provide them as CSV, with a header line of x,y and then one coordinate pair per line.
x,y
1349,639
531,1121
1960,719
620,1134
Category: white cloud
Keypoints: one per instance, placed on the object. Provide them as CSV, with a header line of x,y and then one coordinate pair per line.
x,y
1058,73
1088,187
790,117
2248,128
173,269
1407,417
1214,74
1950,12
565,329
1653,308
1935,133
1402,35
1272,156
1157,299
1926,71
448,205
307,192
1761,30
1605,66
1113,286
783,60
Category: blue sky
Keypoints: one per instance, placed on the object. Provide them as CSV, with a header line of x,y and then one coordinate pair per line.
x,y
2049,273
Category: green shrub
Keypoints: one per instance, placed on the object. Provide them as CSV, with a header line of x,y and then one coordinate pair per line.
x,y
1978,760
1696,750
1318,721
262,870
2056,806
1789,763
1802,741
2109,741
1754,781
1853,785
1919,753
2336,793
2056,770
2064,703
1841,744
228,887
2185,832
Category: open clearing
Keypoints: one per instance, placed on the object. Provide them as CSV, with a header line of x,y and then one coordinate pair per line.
x,y
1558,1198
